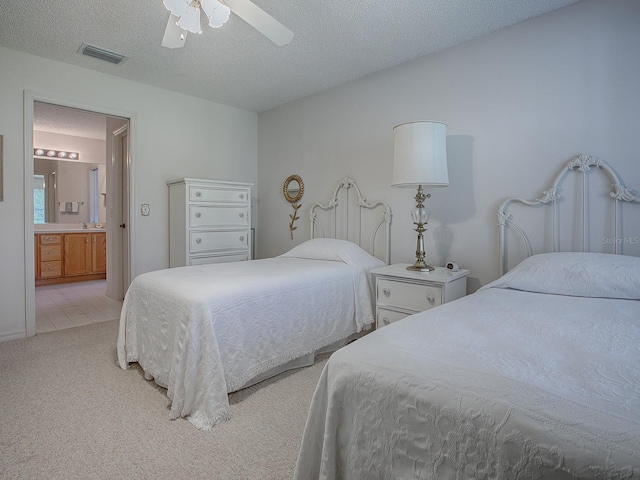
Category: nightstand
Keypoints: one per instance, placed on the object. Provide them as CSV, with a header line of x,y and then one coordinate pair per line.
x,y
401,292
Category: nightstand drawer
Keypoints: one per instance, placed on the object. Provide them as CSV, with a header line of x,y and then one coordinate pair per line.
x,y
407,295
385,317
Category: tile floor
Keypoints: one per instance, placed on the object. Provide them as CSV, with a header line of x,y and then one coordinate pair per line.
x,y
73,304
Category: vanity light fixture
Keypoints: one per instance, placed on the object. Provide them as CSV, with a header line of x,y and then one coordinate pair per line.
x,y
62,154
420,159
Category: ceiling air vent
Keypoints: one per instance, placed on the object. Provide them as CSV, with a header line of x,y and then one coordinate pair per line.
x,y
101,54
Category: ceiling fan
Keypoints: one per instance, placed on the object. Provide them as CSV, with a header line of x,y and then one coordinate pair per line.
x,y
185,17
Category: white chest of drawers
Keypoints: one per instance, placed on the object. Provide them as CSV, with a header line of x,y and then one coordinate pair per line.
x,y
209,222
401,292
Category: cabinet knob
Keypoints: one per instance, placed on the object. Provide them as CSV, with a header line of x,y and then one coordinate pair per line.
x,y
198,240
198,214
242,238
242,215
386,292
386,321
242,196
431,299
198,194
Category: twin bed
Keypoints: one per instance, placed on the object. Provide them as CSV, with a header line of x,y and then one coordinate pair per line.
x,y
536,375
205,331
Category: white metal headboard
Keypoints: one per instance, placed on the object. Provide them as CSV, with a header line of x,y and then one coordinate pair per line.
x,y
581,163
342,223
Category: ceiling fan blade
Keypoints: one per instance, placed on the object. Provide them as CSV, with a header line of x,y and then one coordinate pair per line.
x,y
174,36
261,21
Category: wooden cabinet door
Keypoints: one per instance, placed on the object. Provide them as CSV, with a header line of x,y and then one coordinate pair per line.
x,y
77,254
99,253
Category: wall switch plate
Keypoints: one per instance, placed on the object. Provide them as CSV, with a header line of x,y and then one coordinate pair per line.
x,y
145,209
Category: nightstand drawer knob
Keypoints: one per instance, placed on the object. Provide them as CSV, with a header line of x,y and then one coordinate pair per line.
x,y
386,292
198,240
198,215
431,299
386,321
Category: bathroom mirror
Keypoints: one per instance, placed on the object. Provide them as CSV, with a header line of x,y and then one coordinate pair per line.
x,y
60,181
293,189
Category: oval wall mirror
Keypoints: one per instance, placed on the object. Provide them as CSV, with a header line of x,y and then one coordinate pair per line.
x,y
293,189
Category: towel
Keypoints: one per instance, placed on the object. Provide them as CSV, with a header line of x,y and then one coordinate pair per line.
x,y
75,206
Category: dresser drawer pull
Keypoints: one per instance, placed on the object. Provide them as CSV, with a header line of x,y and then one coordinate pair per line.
x,y
386,321
386,292
242,215
198,240
198,194
241,238
198,215
242,196
431,299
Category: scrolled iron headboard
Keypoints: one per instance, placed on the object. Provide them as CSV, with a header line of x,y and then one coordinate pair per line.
x,y
582,163
346,185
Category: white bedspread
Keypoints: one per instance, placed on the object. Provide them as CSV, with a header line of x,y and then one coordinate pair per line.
x,y
501,384
205,331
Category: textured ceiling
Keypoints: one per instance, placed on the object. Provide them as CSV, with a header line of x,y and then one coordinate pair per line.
x,y
335,41
69,121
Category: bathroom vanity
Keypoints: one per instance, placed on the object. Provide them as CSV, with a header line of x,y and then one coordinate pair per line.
x,y
70,255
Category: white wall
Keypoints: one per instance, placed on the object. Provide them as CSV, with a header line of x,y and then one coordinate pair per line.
x,y
518,103
174,136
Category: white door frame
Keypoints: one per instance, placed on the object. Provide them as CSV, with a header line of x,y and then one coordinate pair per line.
x,y
30,97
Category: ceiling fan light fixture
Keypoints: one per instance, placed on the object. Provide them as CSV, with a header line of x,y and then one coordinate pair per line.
x,y
177,7
190,21
217,12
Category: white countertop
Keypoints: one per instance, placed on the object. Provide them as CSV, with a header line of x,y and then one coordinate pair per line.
x,y
65,228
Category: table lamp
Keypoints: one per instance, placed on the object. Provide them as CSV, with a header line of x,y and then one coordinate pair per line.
x,y
420,160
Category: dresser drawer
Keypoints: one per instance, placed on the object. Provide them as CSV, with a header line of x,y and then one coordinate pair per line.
x,y
210,216
220,195
237,257
212,241
50,252
408,295
385,316
50,239
50,269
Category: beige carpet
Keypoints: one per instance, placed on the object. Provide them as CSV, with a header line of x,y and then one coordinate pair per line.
x,y
68,411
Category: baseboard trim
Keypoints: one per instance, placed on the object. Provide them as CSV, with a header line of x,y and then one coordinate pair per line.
x,y
5,337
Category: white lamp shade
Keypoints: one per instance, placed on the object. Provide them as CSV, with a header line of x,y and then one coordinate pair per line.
x,y
420,155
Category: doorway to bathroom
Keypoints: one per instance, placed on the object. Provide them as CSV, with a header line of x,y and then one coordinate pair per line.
x,y
79,196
